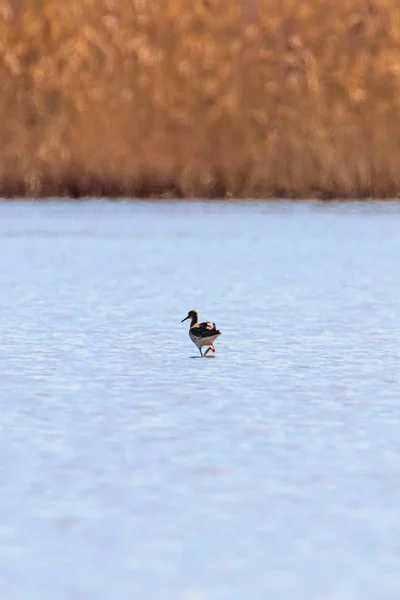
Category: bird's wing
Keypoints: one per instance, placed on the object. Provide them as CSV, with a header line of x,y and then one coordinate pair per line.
x,y
204,330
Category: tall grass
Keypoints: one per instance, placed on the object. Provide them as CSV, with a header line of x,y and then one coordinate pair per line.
x,y
241,98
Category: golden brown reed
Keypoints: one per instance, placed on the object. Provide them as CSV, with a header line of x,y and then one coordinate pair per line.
x,y
206,98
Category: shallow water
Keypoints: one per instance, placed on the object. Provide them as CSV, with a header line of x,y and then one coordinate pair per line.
x,y
129,470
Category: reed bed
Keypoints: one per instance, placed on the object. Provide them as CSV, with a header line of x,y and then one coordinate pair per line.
x,y
200,98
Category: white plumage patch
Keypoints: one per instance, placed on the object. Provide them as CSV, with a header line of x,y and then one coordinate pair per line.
x,y
202,341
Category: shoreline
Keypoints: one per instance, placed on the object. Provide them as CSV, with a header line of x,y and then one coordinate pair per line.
x,y
158,188
180,100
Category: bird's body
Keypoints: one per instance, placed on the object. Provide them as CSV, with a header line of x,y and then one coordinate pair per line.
x,y
202,334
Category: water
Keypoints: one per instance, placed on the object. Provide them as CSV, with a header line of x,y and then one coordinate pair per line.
x,y
131,470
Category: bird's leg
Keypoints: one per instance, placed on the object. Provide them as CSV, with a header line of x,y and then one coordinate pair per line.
x,y
213,348
201,352
208,349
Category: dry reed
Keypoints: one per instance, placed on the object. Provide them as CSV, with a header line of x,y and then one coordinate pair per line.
x,y
205,98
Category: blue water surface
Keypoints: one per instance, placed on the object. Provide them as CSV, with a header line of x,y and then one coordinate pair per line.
x,y
130,470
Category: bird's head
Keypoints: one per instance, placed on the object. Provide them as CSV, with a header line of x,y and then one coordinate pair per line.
x,y
192,314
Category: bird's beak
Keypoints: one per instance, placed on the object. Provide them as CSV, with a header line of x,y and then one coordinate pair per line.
x,y
185,319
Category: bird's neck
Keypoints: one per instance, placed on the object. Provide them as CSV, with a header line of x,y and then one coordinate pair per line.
x,y
195,320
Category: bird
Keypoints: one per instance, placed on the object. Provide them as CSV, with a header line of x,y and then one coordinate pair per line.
x,y
201,334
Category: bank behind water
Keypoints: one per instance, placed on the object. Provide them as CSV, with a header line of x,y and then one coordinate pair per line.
x,y
201,99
